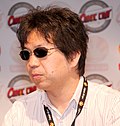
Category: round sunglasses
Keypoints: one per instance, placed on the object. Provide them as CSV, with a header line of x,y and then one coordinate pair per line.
x,y
39,52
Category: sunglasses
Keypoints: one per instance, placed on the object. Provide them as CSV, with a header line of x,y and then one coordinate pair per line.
x,y
40,52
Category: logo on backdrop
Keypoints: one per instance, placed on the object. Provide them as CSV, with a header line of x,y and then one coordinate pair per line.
x,y
19,86
16,12
99,79
96,15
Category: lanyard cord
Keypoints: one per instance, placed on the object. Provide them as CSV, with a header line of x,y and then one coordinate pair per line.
x,y
79,108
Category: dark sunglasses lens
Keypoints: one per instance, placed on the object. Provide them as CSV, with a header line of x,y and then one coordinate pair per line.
x,y
25,54
40,52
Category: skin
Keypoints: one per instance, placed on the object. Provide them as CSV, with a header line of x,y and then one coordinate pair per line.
x,y
53,73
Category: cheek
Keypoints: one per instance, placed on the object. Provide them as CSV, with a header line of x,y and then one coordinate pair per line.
x,y
57,67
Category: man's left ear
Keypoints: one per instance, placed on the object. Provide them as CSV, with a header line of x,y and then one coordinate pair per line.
x,y
74,59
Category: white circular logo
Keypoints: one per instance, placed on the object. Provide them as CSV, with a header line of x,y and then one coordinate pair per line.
x,y
16,12
96,15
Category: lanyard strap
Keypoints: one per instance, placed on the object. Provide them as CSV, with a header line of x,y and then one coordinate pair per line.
x,y
79,108
49,116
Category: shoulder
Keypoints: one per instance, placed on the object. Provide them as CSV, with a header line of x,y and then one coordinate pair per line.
x,y
102,89
25,103
104,103
30,98
102,93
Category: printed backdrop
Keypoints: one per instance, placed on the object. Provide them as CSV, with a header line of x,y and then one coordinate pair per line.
x,y
102,19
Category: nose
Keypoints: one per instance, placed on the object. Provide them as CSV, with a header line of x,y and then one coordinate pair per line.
x,y
33,62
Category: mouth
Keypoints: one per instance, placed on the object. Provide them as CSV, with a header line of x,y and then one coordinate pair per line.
x,y
36,76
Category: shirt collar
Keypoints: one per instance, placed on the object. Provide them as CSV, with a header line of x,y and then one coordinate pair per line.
x,y
44,99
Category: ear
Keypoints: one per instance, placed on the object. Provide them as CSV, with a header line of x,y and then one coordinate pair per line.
x,y
74,59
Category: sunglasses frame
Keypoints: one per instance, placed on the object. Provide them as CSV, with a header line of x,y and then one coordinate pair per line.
x,y
35,53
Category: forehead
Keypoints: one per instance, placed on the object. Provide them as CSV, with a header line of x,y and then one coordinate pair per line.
x,y
35,38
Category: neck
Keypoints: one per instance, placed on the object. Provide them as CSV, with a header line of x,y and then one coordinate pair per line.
x,y
60,97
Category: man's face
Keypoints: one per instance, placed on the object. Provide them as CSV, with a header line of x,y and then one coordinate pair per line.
x,y
50,72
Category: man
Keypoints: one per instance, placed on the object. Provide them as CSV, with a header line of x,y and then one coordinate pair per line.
x,y
54,45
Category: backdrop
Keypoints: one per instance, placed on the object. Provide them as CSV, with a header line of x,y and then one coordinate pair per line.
x,y
102,19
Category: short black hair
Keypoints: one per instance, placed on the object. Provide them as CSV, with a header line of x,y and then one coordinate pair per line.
x,y
62,25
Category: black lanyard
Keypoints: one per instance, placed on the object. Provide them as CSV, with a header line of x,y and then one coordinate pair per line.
x,y
79,108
